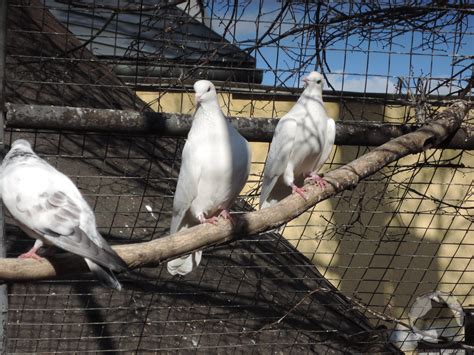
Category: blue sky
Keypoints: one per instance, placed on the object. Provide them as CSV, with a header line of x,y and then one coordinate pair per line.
x,y
382,63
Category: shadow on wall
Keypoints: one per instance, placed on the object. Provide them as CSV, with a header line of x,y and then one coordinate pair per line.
x,y
381,241
395,240
390,239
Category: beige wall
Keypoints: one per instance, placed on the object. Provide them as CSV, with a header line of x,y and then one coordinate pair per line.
x,y
380,241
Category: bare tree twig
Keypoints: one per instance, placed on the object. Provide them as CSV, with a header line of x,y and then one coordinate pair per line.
x,y
308,295
93,37
379,315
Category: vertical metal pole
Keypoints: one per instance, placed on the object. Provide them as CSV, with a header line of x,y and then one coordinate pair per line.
x,y
3,285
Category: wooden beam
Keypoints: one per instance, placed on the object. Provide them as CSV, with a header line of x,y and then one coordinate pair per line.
x,y
177,125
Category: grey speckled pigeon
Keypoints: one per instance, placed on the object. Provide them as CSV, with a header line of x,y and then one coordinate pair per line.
x,y
301,144
215,166
49,208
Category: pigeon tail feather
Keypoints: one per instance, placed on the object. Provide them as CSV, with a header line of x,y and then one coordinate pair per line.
x,y
105,276
184,264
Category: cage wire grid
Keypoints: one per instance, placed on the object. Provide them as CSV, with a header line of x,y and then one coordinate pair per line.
x,y
399,234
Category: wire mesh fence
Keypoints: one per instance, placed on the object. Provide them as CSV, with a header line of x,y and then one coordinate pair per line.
x,y
229,303
400,234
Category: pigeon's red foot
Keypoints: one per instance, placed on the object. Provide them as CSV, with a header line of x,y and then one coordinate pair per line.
x,y
212,220
300,191
316,179
31,255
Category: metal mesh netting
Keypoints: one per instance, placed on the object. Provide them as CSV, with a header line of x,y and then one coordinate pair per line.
x,y
229,303
403,232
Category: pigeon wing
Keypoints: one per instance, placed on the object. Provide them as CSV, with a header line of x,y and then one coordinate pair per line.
x,y
328,139
186,188
57,220
279,155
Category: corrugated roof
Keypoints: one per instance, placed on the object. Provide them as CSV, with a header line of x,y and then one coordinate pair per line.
x,y
155,42
45,67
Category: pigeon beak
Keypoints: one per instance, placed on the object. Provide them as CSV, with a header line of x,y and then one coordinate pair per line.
x,y
305,81
198,98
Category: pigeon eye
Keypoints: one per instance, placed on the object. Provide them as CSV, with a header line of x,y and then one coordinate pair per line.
x,y
208,89
318,82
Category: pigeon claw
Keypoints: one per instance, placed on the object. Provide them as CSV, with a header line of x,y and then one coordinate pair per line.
x,y
316,179
31,255
300,191
212,220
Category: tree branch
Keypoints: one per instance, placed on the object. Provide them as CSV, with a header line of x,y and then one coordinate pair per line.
x,y
154,252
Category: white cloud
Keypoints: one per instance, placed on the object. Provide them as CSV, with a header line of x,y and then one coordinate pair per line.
x,y
379,84
374,84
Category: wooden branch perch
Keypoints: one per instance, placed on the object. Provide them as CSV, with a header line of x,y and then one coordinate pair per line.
x,y
154,252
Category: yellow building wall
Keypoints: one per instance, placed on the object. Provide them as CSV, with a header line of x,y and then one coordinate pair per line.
x,y
392,244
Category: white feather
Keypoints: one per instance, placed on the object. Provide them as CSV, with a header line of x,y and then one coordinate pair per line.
x,y
302,142
215,166
48,207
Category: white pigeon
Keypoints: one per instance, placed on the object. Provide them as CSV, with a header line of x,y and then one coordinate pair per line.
x,y
49,208
214,168
302,142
